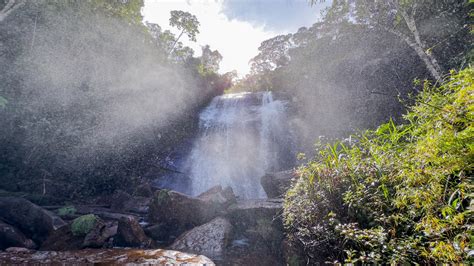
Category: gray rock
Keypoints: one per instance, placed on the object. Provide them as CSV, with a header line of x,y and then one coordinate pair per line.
x,y
99,235
32,220
217,195
253,209
156,232
19,250
62,239
130,234
259,221
104,257
123,202
178,212
209,239
276,184
10,236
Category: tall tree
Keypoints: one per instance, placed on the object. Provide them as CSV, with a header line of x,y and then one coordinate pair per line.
x,y
186,23
273,54
127,9
210,60
399,17
165,40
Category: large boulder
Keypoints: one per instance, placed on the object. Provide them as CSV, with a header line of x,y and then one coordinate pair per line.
x,y
259,223
246,213
178,212
276,184
101,232
158,232
222,198
131,234
104,257
123,202
209,239
62,239
10,236
32,220
85,231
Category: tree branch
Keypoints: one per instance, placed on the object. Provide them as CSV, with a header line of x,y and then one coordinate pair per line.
x,y
10,7
175,42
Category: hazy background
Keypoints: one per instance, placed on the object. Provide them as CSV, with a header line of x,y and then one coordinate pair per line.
x,y
237,27
88,95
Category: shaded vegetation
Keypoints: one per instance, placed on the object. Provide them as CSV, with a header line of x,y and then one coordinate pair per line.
x,y
399,194
350,70
83,225
90,96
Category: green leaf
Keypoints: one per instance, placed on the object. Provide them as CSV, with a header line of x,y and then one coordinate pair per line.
x,y
3,102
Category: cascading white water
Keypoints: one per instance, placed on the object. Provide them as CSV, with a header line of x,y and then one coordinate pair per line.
x,y
240,139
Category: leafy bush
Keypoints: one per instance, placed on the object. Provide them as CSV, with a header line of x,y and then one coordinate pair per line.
x,y
398,194
83,225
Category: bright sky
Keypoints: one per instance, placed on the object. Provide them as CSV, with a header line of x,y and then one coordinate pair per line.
x,y
235,27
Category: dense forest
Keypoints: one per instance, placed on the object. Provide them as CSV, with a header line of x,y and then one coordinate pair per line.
x,y
90,94
369,111
344,75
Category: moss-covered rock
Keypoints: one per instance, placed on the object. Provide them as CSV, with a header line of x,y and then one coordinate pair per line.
x,y
81,226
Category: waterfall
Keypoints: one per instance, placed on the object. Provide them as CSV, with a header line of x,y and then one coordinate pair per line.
x,y
241,136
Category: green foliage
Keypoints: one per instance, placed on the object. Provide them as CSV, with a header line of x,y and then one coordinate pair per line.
x,y
210,61
403,18
67,210
51,137
162,197
129,10
273,54
3,102
398,194
83,225
185,22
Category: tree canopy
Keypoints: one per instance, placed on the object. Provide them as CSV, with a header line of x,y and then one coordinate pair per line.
x,y
185,22
86,90
401,18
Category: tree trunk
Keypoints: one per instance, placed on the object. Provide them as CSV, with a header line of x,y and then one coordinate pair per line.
x,y
431,63
174,44
420,48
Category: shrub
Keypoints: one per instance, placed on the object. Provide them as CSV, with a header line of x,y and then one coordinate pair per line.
x,y
398,194
83,225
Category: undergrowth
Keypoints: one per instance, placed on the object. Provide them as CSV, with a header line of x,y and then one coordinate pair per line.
x,y
397,194
83,224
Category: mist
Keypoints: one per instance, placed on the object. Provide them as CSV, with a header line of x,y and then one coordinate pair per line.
x,y
93,89
349,141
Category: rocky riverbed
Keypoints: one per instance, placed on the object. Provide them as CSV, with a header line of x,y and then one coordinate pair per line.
x,y
150,226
